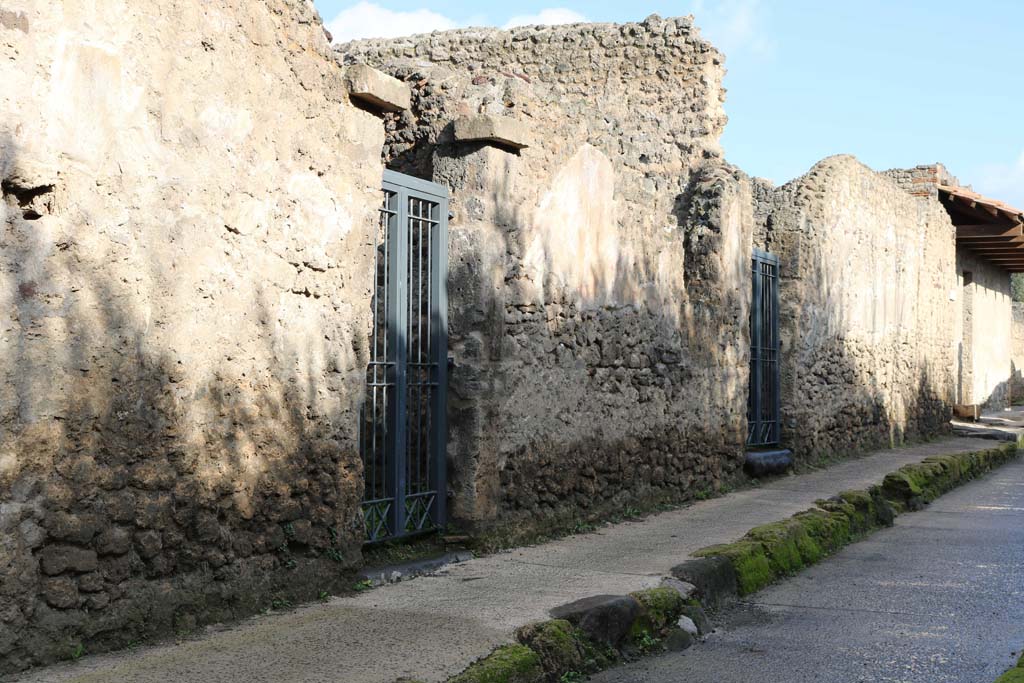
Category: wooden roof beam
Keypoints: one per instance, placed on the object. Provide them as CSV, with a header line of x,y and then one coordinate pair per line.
x,y
988,231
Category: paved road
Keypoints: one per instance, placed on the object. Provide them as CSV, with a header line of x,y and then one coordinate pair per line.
x,y
433,627
937,599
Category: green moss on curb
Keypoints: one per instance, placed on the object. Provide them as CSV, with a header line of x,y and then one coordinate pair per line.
x,y
772,551
748,557
507,664
550,649
1014,675
661,609
563,648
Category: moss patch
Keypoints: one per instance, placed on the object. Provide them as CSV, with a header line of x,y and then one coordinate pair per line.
x,y
563,648
1014,675
507,664
661,609
772,551
554,648
748,557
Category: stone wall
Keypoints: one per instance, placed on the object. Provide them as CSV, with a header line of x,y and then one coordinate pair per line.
x,y
598,312
984,358
981,355
922,180
868,327
186,258
185,266
1017,355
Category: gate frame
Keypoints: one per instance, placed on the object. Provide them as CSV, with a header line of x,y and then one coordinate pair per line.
x,y
755,400
396,327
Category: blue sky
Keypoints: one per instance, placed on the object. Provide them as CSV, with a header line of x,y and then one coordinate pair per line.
x,y
894,83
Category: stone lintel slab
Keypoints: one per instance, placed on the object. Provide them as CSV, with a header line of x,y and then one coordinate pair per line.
x,y
377,89
502,130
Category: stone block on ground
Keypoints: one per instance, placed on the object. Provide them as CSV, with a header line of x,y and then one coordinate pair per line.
x,y
700,619
678,640
685,589
686,623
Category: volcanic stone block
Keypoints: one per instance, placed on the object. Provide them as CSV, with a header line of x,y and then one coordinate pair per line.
x,y
604,618
377,89
502,130
714,577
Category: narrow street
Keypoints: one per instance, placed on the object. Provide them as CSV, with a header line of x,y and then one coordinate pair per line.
x,y
936,599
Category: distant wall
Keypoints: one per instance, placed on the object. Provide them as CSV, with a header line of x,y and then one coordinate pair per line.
x,y
867,323
185,266
598,297
983,328
1017,354
984,364
923,180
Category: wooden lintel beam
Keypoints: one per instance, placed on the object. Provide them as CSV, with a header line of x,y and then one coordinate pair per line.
x,y
1004,243
988,231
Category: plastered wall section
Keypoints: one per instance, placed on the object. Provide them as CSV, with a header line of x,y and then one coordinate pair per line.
x,y
1017,357
598,308
985,360
868,309
185,268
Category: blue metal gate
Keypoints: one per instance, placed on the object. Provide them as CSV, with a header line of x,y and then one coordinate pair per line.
x,y
404,431
763,401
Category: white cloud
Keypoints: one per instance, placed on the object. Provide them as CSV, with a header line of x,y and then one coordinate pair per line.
x,y
735,26
1004,182
368,20
550,17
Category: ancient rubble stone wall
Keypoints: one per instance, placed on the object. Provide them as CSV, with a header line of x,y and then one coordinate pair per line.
x,y
922,180
984,354
598,311
868,327
185,270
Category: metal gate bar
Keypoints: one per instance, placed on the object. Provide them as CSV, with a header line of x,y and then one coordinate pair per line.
x,y
404,435
764,398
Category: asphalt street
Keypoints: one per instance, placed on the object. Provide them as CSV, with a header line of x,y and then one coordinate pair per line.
x,y
939,598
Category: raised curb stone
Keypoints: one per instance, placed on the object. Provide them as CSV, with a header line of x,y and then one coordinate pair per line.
x,y
714,577
685,589
604,618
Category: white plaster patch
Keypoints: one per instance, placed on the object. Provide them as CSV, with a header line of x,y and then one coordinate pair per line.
x,y
228,124
574,236
92,104
317,212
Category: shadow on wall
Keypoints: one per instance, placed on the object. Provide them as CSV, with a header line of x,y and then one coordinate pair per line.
x,y
1016,385
867,341
594,380
141,496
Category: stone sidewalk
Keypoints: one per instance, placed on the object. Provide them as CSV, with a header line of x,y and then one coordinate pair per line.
x,y
1005,424
434,626
935,599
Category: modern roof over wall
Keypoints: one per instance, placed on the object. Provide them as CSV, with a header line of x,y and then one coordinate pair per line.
x,y
991,229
